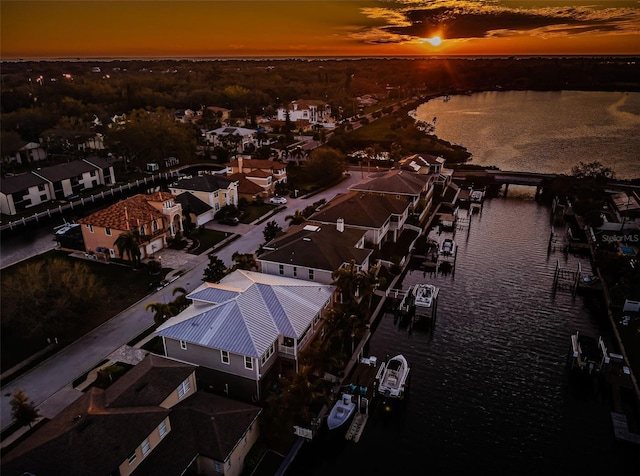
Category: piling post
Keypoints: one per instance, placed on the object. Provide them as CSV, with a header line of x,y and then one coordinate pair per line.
x,y
506,190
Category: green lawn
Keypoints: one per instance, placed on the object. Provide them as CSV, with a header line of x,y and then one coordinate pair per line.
x,y
255,211
205,239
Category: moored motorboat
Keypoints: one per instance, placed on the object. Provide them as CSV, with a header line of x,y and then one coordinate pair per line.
x,y
424,295
341,411
392,377
447,247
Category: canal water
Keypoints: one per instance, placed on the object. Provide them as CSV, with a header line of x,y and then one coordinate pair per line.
x,y
542,131
490,390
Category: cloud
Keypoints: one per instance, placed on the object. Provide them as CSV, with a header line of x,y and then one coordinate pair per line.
x,y
408,20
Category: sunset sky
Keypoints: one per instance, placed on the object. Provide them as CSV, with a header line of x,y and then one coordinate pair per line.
x,y
265,28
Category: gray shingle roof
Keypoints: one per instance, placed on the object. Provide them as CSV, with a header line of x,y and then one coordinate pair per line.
x,y
397,182
325,248
59,172
19,183
190,201
361,209
262,308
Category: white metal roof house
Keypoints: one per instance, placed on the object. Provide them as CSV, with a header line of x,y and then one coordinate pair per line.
x,y
246,326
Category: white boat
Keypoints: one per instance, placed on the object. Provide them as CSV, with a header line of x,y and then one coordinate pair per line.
x,y
424,294
341,411
447,247
476,196
392,377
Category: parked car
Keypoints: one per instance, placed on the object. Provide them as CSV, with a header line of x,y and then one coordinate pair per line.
x,y
278,200
233,221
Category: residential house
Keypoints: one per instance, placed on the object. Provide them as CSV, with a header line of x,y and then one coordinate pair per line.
x,y
245,139
72,140
313,251
29,152
265,173
248,189
247,327
19,192
152,420
215,190
157,218
105,169
428,164
416,189
198,211
75,177
382,217
184,115
308,110
221,113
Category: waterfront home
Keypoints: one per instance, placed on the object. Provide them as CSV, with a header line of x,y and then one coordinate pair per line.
x,y
156,218
625,206
152,420
381,217
246,329
416,189
58,182
215,190
427,164
264,173
19,192
313,251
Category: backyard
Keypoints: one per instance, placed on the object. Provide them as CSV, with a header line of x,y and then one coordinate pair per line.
x,y
120,287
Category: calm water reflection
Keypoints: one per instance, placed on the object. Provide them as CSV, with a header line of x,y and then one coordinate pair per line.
x,y
542,131
490,390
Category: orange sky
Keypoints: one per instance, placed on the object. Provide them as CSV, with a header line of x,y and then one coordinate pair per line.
x,y
250,28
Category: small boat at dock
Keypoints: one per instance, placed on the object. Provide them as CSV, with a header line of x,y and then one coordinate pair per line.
x,y
392,377
341,411
448,247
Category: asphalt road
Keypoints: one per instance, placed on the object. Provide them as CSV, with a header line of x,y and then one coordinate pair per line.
x,y
49,384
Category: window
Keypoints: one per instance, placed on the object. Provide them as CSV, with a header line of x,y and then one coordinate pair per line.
x,y
146,446
184,388
217,466
107,230
183,345
215,194
132,457
162,429
90,228
295,271
248,363
310,275
281,269
224,356
154,225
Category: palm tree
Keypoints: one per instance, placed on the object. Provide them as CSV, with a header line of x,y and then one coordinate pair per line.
x,y
180,302
296,219
162,311
128,243
244,261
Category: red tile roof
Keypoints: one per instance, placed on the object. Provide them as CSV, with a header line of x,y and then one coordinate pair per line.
x,y
136,209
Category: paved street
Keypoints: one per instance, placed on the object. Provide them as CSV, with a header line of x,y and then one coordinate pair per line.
x,y
49,384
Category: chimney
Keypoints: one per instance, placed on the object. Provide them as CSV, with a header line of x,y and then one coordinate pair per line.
x,y
340,225
240,163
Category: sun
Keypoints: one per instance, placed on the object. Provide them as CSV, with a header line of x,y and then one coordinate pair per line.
x,y
435,41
